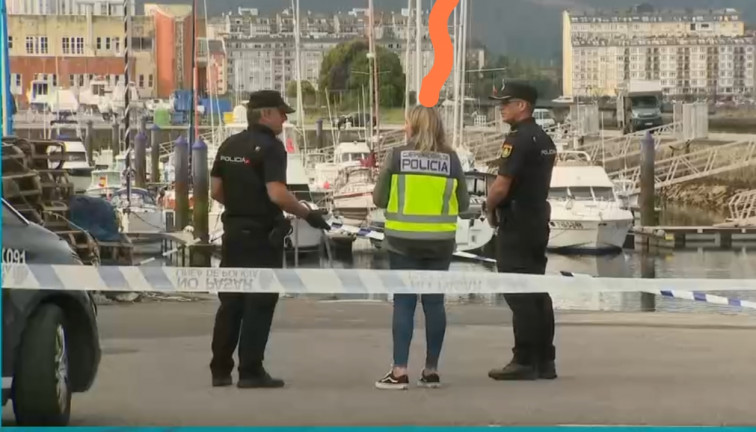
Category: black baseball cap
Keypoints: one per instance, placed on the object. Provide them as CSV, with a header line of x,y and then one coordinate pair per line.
x,y
268,99
521,91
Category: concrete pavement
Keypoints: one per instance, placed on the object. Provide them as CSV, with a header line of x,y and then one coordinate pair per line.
x,y
665,369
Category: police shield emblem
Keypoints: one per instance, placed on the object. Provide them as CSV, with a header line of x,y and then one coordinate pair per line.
x,y
506,150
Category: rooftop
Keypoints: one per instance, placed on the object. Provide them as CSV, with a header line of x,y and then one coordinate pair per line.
x,y
648,13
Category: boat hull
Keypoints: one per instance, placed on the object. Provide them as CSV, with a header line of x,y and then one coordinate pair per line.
x,y
472,234
354,208
590,236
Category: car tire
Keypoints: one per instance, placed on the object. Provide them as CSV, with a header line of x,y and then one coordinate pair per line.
x,y
41,389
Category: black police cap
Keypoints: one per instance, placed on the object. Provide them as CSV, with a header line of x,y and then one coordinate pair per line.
x,y
521,91
268,99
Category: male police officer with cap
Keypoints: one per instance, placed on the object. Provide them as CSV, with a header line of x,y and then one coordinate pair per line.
x,y
249,179
517,205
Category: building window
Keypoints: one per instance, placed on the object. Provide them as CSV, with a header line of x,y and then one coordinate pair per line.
x,y
29,45
149,81
107,43
72,80
66,46
99,43
43,44
54,80
141,81
117,44
10,42
79,46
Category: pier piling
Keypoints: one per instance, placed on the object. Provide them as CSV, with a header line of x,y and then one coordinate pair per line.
x,y
181,165
154,155
140,156
648,215
200,256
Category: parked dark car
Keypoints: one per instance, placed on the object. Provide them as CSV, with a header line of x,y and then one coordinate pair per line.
x,y
51,342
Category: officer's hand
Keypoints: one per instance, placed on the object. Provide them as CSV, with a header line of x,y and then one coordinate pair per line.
x,y
492,218
316,220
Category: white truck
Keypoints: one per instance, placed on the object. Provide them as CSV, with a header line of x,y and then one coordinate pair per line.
x,y
639,105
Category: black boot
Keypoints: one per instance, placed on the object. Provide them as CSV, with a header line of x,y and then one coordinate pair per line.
x,y
261,380
547,370
514,372
222,381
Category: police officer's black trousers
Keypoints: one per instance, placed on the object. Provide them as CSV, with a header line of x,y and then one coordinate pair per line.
x,y
244,319
521,248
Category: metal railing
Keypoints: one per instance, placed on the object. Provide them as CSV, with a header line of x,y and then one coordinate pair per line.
x,y
742,206
695,165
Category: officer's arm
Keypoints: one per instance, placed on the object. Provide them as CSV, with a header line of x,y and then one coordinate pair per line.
x,y
463,195
216,181
274,161
382,190
511,161
216,189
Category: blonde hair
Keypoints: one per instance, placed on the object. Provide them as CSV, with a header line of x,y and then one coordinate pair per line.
x,y
427,130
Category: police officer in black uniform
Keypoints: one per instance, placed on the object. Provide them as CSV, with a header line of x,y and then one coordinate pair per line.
x,y
249,179
517,204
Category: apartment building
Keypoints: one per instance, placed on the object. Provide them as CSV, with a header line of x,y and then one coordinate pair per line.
x,y
261,49
71,50
693,53
68,7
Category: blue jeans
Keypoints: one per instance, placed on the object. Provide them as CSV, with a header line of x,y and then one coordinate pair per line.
x,y
404,312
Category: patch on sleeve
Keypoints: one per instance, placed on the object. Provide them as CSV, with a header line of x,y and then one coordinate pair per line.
x,y
506,150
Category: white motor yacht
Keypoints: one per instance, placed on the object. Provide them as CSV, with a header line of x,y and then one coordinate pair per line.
x,y
586,214
75,162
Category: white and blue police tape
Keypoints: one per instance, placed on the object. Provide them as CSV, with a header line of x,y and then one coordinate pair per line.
x,y
379,236
331,281
696,296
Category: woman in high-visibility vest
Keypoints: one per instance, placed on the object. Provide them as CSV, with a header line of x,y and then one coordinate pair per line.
x,y
422,187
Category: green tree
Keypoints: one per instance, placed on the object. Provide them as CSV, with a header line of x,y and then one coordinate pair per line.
x,y
514,69
344,73
309,95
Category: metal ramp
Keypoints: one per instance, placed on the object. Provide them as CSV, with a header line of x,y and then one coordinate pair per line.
x,y
695,165
620,147
742,206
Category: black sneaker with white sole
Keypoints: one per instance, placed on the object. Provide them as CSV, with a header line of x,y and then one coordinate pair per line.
x,y
391,382
431,380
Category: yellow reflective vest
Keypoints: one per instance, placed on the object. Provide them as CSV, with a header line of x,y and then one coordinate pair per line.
x,y
423,200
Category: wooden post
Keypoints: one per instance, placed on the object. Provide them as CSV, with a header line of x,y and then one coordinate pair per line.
x,y
115,140
90,141
648,213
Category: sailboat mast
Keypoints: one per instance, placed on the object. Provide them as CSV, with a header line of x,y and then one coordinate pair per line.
x,y
194,114
418,46
376,77
462,72
407,51
298,65
455,79
6,98
126,136
371,72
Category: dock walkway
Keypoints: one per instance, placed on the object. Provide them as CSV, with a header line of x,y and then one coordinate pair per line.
x,y
615,368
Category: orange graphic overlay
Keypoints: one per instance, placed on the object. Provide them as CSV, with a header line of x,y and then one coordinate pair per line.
x,y
438,27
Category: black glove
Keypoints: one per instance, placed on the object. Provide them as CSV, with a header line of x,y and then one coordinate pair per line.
x,y
315,219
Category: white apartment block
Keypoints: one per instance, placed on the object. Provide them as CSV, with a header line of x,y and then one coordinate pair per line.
x,y
261,49
693,53
68,7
